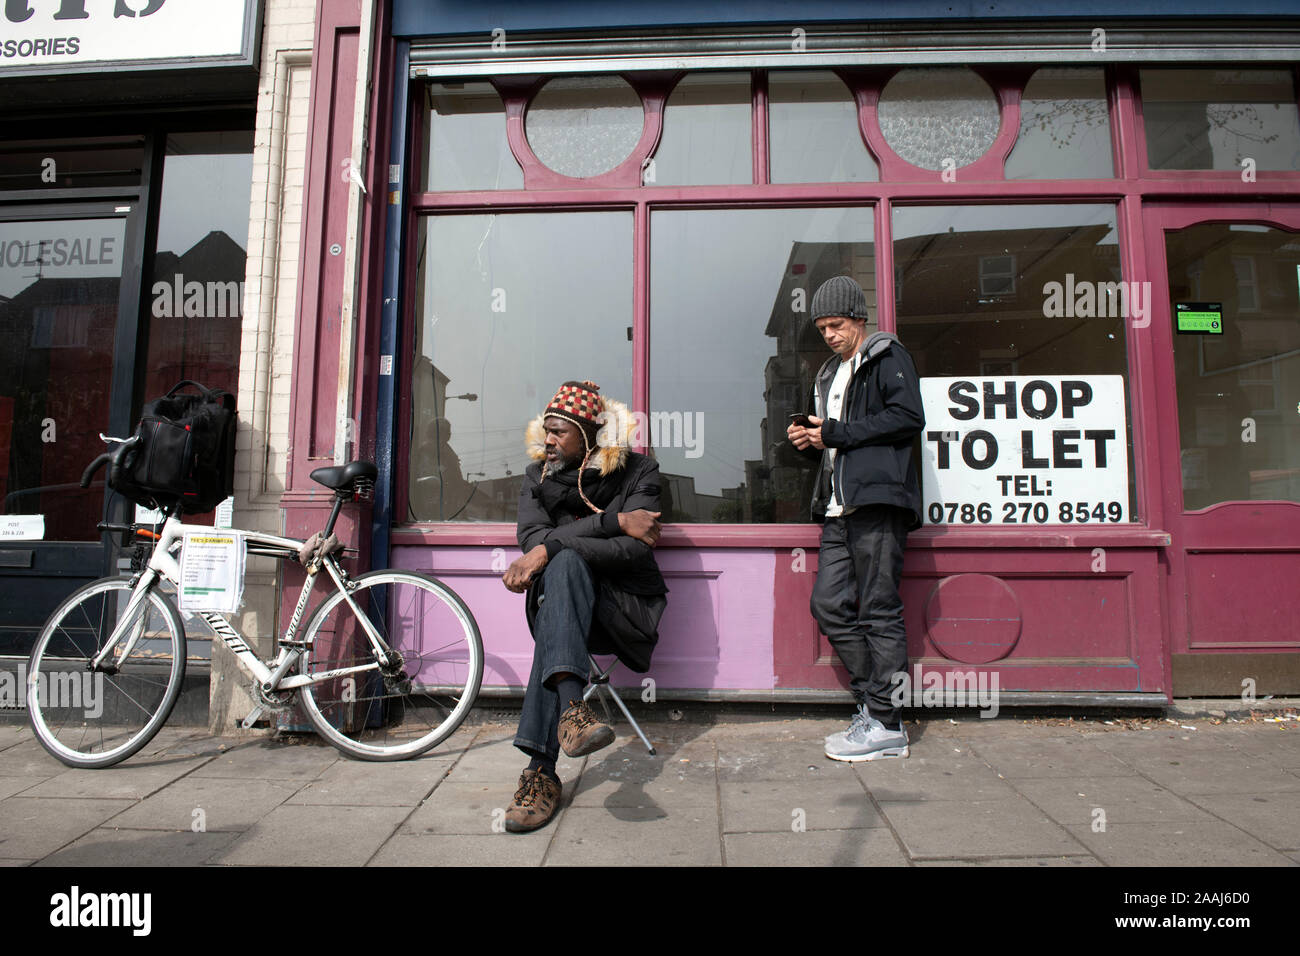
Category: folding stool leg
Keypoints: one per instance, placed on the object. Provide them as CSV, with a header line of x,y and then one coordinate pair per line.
x,y
600,684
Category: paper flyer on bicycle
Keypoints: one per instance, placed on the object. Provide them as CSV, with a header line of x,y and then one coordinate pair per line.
x,y
212,570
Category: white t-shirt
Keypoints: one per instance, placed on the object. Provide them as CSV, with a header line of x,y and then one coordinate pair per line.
x,y
834,409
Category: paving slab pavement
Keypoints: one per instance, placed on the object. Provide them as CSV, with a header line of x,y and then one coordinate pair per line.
x,y
1188,791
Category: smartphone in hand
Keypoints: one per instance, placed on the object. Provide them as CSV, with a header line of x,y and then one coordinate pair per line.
x,y
801,419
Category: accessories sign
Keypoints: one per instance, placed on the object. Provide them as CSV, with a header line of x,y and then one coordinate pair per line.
x,y
68,36
1014,450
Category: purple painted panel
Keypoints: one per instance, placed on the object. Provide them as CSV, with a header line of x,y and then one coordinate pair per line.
x,y
716,633
1240,601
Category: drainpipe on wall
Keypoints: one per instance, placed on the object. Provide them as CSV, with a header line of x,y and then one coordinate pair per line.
x,y
345,436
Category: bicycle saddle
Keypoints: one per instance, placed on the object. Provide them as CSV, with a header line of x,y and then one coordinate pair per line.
x,y
338,477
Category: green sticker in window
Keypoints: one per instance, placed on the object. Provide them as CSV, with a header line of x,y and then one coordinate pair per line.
x,y
1199,318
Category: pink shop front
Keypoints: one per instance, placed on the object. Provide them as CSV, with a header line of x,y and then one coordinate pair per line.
x,y
1093,259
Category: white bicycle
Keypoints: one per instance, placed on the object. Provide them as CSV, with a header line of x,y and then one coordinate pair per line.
x,y
386,667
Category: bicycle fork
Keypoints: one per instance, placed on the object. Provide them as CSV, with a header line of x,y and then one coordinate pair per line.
x,y
128,618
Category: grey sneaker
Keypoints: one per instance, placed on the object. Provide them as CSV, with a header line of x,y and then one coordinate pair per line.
x,y
860,718
868,741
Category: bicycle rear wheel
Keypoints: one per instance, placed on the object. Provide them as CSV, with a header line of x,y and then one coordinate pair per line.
x,y
94,718
416,702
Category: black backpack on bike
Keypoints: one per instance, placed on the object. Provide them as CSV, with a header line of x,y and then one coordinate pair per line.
x,y
183,451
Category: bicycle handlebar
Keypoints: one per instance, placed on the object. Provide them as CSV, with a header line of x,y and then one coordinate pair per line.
x,y
108,456
95,465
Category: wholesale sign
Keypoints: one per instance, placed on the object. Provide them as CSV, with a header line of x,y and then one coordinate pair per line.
x,y
59,36
1015,450
59,249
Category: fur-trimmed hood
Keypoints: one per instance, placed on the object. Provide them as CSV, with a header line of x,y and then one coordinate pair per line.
x,y
613,440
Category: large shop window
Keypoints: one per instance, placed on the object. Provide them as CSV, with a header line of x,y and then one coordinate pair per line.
x,y
1221,119
1238,377
1064,127
813,130
59,285
706,137
508,308
998,293
465,144
196,285
734,351
514,295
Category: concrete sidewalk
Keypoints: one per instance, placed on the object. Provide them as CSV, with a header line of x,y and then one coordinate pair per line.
x,y
739,791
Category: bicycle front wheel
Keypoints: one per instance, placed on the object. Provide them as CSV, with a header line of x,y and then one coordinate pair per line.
x,y
421,696
94,717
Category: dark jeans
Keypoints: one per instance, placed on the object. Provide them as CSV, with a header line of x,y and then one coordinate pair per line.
x,y
560,634
856,602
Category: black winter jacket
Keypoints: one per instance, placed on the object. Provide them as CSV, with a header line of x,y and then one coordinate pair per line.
x,y
882,414
630,589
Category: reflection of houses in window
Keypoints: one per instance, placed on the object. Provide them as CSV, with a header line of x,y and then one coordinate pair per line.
x,y
1244,374
59,378
1247,283
1258,379
188,339
61,326
997,276
953,326
998,362
780,485
681,502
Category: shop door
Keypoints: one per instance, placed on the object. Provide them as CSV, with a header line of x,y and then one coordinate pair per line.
x,y
67,323
1226,340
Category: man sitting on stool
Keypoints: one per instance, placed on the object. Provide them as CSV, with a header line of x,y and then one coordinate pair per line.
x,y
588,519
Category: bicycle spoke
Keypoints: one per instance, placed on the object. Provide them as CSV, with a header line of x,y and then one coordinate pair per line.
x,y
93,718
391,717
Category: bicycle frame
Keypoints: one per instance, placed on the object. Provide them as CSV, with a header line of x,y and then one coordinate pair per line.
x,y
163,564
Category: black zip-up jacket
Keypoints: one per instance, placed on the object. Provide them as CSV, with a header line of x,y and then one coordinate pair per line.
x,y
882,414
631,589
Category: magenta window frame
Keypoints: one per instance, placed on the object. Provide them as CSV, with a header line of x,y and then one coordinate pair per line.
x,y
980,183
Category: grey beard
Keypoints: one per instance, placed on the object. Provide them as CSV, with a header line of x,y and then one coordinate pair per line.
x,y
560,464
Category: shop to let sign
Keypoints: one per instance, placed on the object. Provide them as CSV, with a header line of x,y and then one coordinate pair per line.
x,y
1014,450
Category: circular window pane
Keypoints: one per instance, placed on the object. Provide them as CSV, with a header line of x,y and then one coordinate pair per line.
x,y
584,125
930,115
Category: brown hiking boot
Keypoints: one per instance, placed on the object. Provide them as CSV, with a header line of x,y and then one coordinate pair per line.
x,y
535,802
581,732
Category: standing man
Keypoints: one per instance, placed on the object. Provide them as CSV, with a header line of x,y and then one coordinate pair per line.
x,y
588,519
867,403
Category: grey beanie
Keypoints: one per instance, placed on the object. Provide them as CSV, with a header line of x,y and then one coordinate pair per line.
x,y
840,295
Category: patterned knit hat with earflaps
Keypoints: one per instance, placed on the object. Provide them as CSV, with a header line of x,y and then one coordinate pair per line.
x,y
581,404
